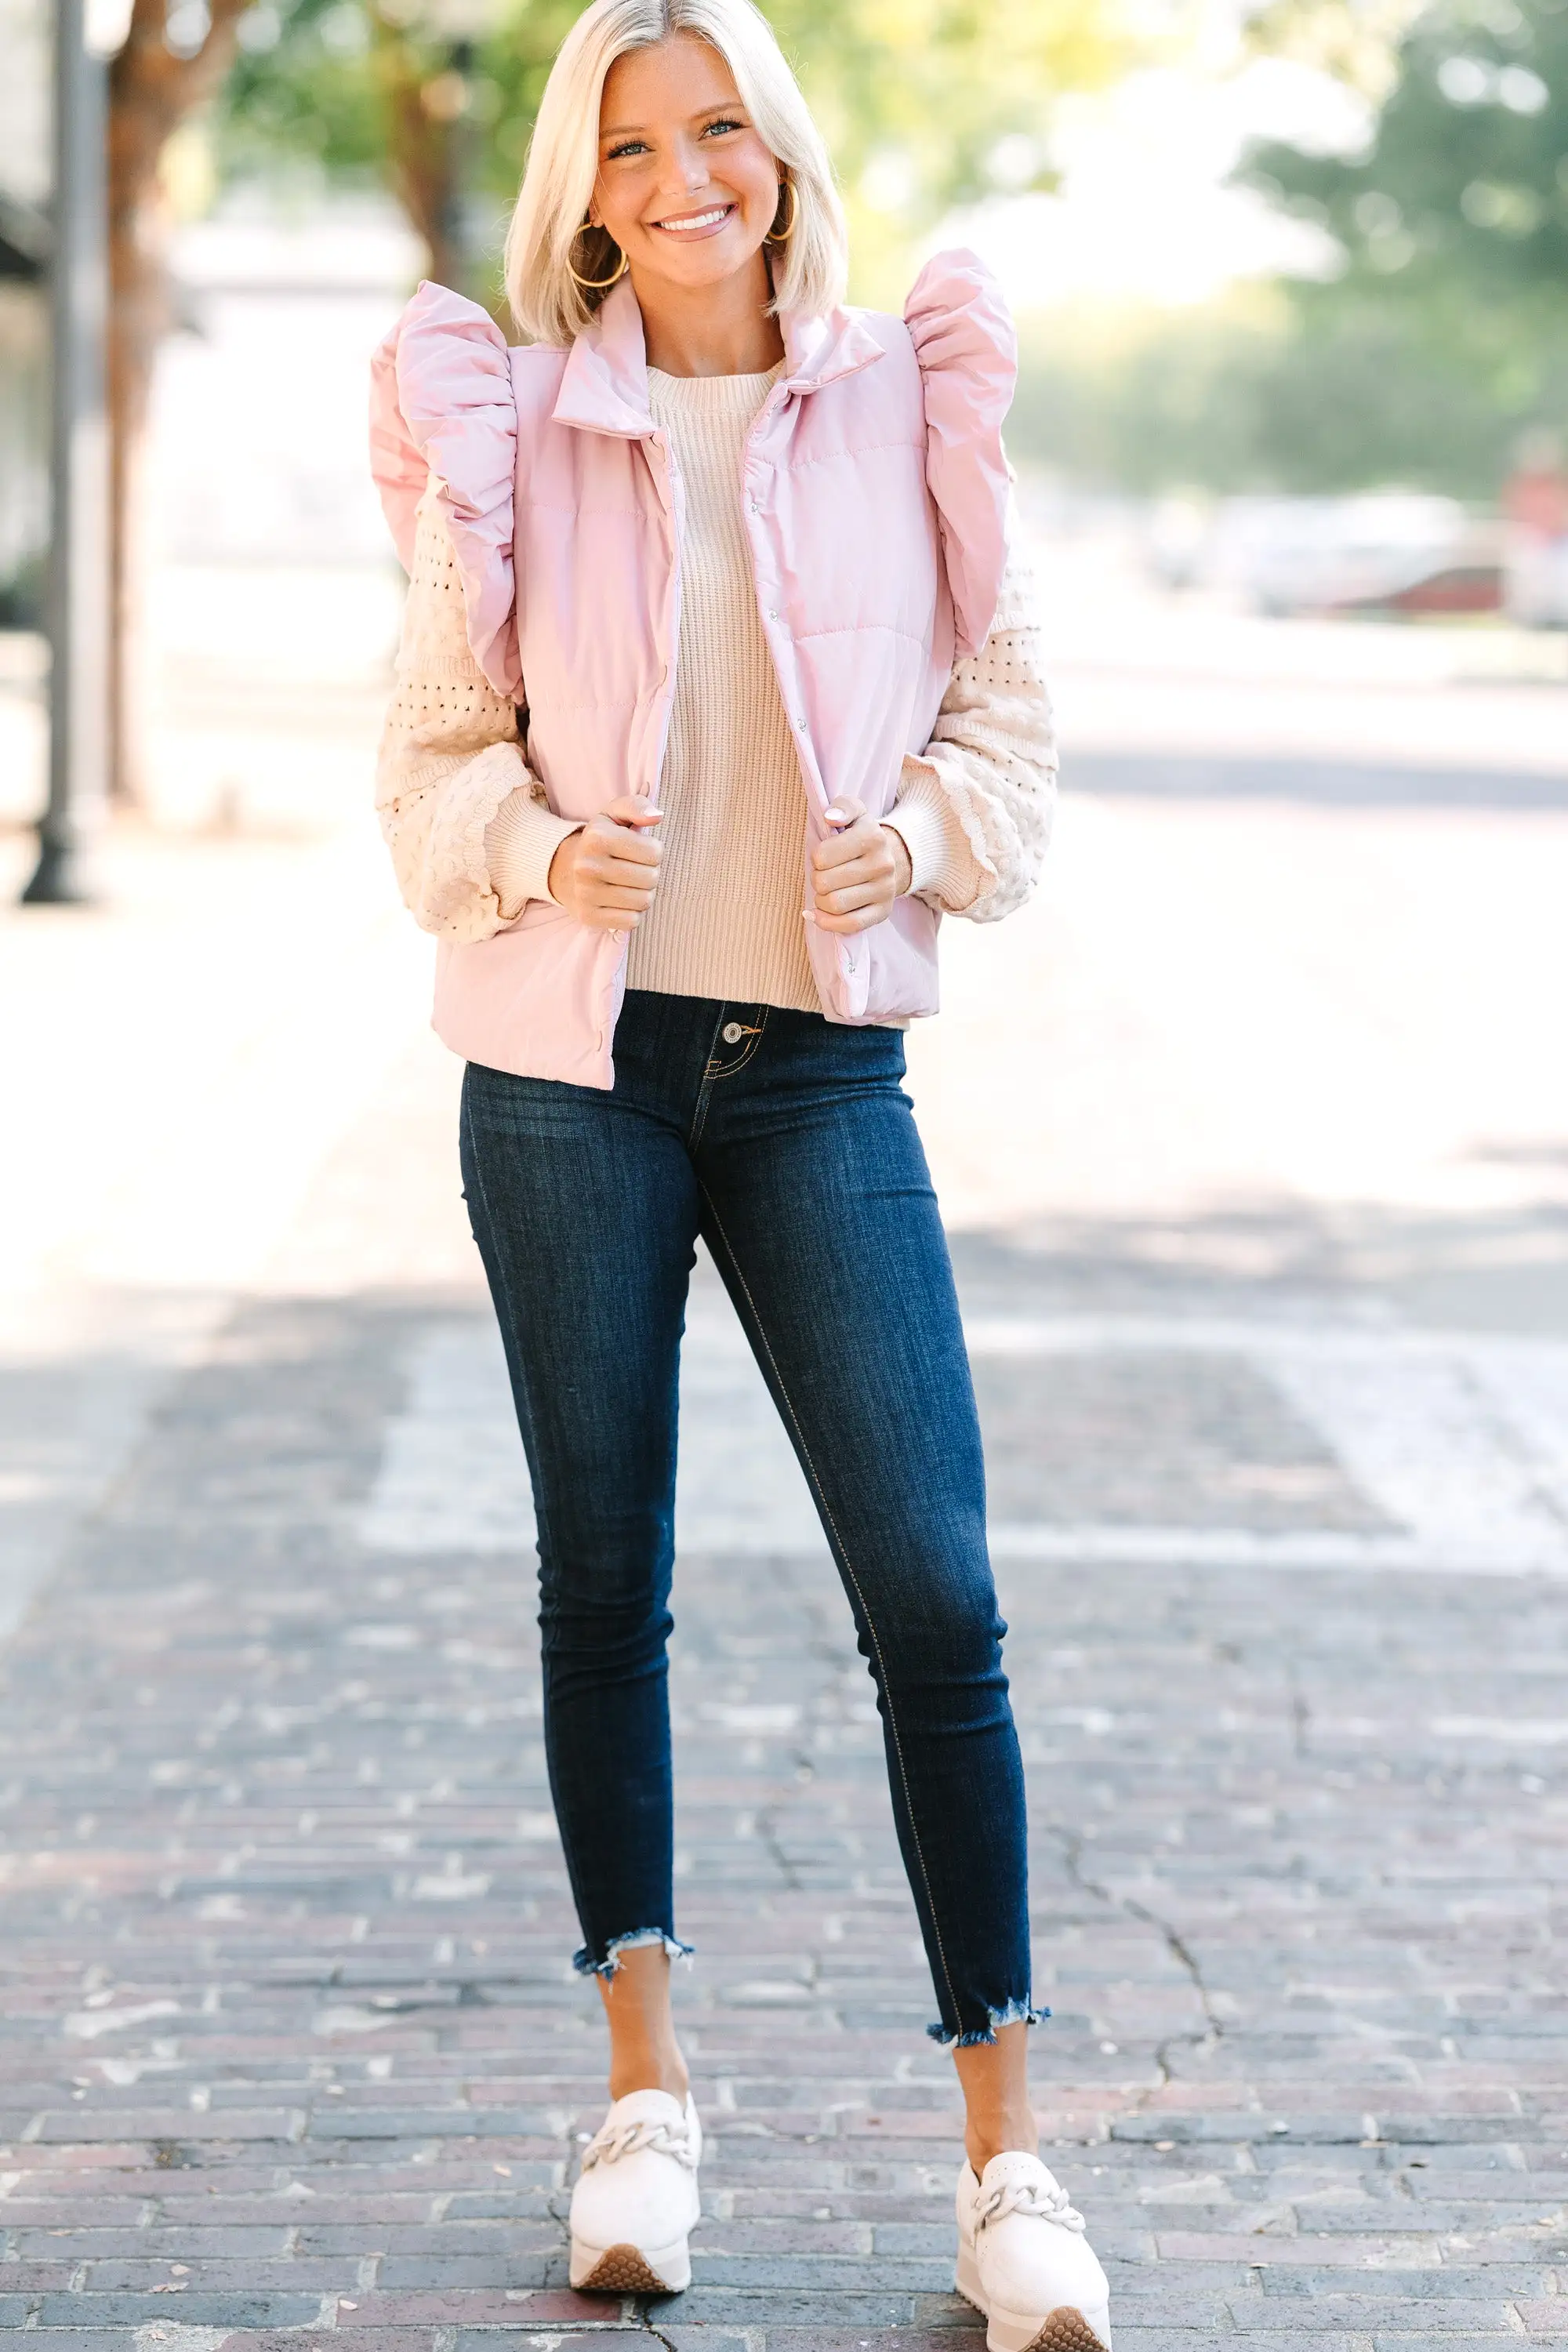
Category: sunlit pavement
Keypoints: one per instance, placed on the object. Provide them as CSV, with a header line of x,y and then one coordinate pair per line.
x,y
1253,1136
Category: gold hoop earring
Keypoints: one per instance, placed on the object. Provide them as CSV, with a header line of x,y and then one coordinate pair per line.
x,y
597,285
783,236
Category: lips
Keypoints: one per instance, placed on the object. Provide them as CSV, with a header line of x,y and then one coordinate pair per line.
x,y
703,224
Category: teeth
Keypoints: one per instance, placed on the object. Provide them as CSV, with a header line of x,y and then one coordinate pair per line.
x,y
698,220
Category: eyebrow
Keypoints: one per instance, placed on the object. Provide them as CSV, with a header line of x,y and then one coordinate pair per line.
x,y
626,130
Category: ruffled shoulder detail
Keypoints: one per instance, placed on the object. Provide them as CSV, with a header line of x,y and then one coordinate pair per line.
x,y
968,355
442,405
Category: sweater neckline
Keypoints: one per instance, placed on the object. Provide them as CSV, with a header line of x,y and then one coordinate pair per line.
x,y
762,376
715,397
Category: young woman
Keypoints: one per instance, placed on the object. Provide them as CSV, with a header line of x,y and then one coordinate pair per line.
x,y
719,682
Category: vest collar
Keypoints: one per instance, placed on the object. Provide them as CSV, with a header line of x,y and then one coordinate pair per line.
x,y
603,385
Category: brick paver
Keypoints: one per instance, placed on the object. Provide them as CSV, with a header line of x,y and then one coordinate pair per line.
x,y
292,2048
289,2049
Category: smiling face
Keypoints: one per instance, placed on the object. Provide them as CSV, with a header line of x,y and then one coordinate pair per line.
x,y
687,188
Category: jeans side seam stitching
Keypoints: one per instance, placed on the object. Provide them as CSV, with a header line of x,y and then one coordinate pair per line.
x,y
826,1510
465,1118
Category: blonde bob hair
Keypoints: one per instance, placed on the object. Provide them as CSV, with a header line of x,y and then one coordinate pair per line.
x,y
541,243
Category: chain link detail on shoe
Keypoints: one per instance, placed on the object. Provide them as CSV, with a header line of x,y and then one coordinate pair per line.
x,y
663,2138
1030,2198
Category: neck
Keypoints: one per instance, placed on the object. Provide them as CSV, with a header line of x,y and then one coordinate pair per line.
x,y
722,330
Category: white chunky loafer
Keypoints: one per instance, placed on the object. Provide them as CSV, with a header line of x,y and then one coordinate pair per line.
x,y
636,2202
1024,2261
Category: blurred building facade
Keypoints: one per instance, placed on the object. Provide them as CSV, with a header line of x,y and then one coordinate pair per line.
x,y
24,340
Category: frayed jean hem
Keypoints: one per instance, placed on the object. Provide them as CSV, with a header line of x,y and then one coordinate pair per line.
x,y
587,1965
1018,2013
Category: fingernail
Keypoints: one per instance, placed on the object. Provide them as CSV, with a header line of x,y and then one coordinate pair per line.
x,y
807,916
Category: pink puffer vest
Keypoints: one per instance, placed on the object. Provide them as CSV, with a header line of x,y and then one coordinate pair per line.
x,y
874,496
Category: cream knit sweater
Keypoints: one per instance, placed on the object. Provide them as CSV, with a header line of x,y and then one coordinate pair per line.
x,y
471,847
725,919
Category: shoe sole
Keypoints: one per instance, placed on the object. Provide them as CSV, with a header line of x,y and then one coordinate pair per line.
x,y
1065,2329
631,2270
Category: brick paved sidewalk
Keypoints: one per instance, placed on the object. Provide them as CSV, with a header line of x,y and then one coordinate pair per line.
x,y
289,2048
292,2049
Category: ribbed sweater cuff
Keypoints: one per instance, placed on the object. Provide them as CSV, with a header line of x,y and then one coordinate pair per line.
x,y
520,839
928,826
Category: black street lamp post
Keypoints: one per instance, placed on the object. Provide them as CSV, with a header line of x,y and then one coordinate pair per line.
x,y
78,554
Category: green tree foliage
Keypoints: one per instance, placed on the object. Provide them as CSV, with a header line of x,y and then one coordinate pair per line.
x,y
1461,201
1441,337
1301,390
313,80
924,103
1453,227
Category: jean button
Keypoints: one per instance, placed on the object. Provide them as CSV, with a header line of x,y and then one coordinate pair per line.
x,y
732,1033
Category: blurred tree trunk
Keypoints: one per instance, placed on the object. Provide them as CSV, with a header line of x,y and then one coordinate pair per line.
x,y
151,88
424,103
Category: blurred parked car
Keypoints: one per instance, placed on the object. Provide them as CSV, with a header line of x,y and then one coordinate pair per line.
x,y
1535,501
1387,551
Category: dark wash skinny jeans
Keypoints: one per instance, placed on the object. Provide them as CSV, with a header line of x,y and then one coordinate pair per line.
x,y
790,1148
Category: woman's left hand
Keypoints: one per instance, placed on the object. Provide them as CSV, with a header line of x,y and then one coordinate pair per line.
x,y
859,871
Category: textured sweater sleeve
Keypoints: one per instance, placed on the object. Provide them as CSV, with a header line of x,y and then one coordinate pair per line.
x,y
975,812
451,762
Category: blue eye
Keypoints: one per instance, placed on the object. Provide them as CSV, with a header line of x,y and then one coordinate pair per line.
x,y
626,147
724,123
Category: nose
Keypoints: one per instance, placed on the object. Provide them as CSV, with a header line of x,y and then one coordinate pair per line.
x,y
689,168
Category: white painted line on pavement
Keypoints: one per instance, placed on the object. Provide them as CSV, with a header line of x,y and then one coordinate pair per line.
x,y
1424,1439
1531,1391
1461,1440
1518,1731
453,1477
1203,1335
1296,1548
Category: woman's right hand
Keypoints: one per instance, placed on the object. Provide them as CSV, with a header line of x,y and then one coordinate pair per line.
x,y
606,873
